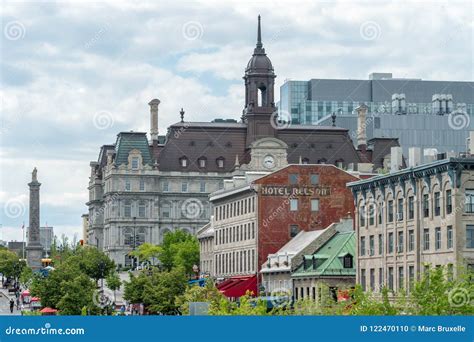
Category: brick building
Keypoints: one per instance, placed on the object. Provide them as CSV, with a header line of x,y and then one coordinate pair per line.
x,y
255,218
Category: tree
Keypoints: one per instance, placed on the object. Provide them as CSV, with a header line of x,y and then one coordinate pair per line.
x,y
135,287
147,251
160,294
26,276
76,294
179,249
113,282
207,293
11,265
96,264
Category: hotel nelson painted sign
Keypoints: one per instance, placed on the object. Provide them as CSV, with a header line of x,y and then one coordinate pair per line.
x,y
278,190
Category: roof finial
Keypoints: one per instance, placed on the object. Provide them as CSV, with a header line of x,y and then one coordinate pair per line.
x,y
182,114
259,35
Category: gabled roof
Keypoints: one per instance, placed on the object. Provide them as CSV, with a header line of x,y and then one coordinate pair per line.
x,y
127,141
340,244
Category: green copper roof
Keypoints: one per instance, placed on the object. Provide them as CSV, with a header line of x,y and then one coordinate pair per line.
x,y
329,258
127,141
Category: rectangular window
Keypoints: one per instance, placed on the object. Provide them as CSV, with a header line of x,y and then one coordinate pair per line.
x,y
135,163
202,187
165,186
426,239
380,244
142,209
362,246
411,276
469,236
362,279
449,237
449,202
390,211
437,204
400,242
411,207
426,205
314,204
437,238
184,187
372,279
128,186
314,179
293,204
411,240
371,245
202,162
293,178
380,213
128,209
401,278
294,230
400,210
469,201
380,278
390,278
362,216
390,242
142,184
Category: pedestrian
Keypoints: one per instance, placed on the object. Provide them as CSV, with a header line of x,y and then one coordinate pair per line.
x,y
12,305
18,303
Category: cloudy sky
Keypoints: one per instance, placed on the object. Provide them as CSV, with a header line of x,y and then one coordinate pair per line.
x,y
74,74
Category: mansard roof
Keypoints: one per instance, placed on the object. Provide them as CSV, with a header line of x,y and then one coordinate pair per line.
x,y
127,141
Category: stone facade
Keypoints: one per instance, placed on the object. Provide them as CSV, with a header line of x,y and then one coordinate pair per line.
x,y
205,237
34,250
413,219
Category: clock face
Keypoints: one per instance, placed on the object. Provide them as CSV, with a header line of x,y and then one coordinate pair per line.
x,y
269,162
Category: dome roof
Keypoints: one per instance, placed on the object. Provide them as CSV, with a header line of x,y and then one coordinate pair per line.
x,y
259,63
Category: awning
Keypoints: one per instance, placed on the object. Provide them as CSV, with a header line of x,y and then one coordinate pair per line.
x,y
25,293
48,310
238,286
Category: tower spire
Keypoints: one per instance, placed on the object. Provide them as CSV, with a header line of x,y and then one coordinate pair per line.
x,y
259,35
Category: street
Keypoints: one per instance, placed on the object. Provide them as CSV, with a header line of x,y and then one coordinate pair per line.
x,y
5,304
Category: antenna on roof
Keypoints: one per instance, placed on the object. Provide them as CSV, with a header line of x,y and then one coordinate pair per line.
x,y
182,114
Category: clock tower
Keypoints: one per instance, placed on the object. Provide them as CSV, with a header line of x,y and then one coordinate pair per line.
x,y
260,107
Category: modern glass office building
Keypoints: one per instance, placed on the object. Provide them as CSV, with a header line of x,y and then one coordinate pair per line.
x,y
420,113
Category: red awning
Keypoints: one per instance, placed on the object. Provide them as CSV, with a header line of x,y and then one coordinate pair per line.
x,y
25,293
35,299
238,286
48,310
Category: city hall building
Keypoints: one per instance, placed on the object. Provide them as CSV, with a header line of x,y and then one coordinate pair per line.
x,y
413,219
140,187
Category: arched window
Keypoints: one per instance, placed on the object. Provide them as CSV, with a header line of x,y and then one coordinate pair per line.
x,y
202,162
262,96
348,261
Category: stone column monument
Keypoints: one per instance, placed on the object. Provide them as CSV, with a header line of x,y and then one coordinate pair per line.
x,y
34,250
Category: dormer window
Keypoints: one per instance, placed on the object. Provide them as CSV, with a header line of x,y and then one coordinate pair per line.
x,y
322,161
202,162
183,161
220,162
339,163
135,161
347,261
305,161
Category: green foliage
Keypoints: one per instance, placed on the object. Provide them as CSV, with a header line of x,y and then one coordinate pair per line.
x,y
26,276
208,293
92,262
113,282
147,252
179,249
246,306
366,304
134,289
10,264
159,296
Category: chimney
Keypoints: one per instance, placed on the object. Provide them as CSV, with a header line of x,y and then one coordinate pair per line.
x,y
430,155
154,119
361,127
396,160
414,156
